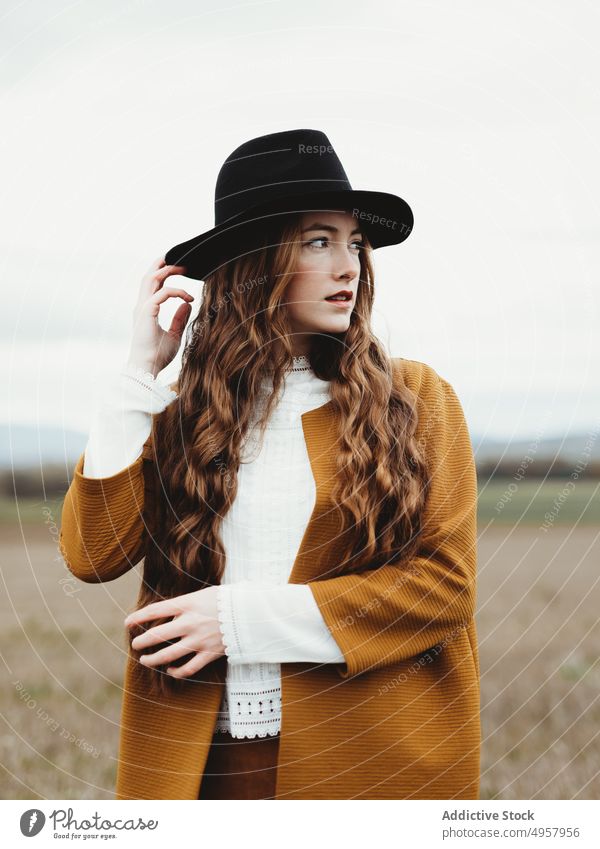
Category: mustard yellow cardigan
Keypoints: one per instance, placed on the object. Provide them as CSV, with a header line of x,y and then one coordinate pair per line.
x,y
400,718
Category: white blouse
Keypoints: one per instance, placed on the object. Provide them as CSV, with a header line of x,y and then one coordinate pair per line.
x,y
264,621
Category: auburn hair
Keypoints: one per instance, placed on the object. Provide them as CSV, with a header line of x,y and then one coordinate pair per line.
x,y
240,333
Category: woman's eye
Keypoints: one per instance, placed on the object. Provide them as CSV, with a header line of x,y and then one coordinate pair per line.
x,y
359,244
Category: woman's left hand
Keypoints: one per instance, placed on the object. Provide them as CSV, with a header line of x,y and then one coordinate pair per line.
x,y
196,623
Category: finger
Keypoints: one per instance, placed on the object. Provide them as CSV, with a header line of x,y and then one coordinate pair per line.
x,y
180,319
153,303
168,292
160,633
154,280
167,654
159,262
166,271
167,607
194,665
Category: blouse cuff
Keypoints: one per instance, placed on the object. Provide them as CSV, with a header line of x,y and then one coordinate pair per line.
x,y
227,624
160,394
274,623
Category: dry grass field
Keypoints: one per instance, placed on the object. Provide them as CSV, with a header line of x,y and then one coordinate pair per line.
x,y
63,655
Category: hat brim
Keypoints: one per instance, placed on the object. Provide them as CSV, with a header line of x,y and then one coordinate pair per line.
x,y
386,219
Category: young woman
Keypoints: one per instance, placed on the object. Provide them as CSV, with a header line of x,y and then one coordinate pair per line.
x,y
305,507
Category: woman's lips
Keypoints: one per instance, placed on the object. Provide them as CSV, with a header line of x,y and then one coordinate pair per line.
x,y
343,304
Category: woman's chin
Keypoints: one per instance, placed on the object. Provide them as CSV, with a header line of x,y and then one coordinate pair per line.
x,y
323,324
333,324
340,324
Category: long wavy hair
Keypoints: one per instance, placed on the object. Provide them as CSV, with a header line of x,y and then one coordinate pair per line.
x,y
240,333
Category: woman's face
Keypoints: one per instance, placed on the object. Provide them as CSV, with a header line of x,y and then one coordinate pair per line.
x,y
329,263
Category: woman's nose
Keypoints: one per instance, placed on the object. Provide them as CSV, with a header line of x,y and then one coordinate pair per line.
x,y
346,263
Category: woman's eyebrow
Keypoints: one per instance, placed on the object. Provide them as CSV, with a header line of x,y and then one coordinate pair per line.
x,y
330,227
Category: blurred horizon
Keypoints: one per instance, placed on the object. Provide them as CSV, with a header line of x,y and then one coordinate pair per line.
x,y
108,167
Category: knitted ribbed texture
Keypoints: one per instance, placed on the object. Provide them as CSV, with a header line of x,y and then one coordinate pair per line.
x,y
400,718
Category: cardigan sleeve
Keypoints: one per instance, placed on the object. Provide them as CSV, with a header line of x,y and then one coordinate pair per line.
x,y
391,613
273,623
102,529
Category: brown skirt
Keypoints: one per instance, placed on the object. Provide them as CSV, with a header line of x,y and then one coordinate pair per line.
x,y
243,768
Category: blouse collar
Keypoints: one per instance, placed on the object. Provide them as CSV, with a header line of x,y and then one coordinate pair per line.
x,y
299,380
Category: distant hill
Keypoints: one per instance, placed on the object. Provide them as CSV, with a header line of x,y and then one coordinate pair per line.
x,y
25,446
569,449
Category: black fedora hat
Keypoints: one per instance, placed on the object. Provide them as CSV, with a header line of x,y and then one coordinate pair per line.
x,y
291,171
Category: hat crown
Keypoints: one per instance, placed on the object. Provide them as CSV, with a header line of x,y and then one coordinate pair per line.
x,y
277,166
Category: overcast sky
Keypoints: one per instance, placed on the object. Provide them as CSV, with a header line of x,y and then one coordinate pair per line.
x,y
483,116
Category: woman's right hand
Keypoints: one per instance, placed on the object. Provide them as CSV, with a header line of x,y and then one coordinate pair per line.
x,y
153,348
